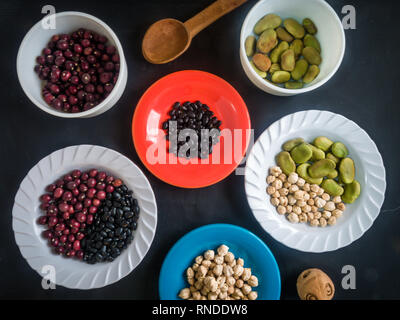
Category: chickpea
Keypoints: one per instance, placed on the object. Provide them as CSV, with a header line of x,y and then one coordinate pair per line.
x,y
282,177
239,283
322,222
326,214
270,179
219,260
238,270
301,203
301,182
291,200
229,257
337,213
283,201
198,285
224,287
306,208
252,295
286,185
314,223
231,290
319,202
228,271
329,206
292,217
206,263
202,271
276,194
303,217
189,273
277,184
314,188
209,255
253,281
275,171
326,196
212,296
275,202
341,206
296,210
320,192
289,209
240,262
230,281
306,197
314,209
271,190
283,192
195,266
223,295
190,281
310,202
293,177
246,289
317,215
281,209
199,259
246,274
310,216
306,187
337,199
184,293
222,250
332,221
299,195
238,293
313,195
217,270
293,188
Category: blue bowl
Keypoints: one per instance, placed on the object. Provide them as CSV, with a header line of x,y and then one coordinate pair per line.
x,y
241,242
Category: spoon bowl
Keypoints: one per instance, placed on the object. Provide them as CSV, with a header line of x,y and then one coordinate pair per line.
x,y
167,39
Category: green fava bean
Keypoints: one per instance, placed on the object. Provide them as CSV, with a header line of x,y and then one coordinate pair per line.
x,y
321,168
332,188
293,85
284,35
323,143
276,53
334,174
274,67
301,153
289,145
294,28
267,41
317,154
311,41
297,46
270,21
310,26
312,55
311,74
302,171
288,60
347,170
300,69
351,192
250,45
285,162
262,74
332,157
280,77
339,150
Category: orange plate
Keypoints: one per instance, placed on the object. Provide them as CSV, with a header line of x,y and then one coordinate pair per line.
x,y
152,110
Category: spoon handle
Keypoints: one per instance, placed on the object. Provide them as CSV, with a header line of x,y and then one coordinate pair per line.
x,y
210,14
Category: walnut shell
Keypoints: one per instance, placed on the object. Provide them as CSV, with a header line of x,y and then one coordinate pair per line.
x,y
314,284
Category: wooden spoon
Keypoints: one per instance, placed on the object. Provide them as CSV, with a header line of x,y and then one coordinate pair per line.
x,y
167,39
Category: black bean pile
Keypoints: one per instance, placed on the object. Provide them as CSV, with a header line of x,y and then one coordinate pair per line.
x,y
195,116
112,228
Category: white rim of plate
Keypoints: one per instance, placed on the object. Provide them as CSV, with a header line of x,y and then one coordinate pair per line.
x,y
331,237
72,273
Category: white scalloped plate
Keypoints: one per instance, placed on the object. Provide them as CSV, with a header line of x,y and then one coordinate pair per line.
x,y
72,273
370,172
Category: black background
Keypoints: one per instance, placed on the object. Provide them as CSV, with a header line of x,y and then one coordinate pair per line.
x,y
366,89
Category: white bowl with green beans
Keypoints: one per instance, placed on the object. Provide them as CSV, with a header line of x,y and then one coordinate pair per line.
x,y
359,214
288,70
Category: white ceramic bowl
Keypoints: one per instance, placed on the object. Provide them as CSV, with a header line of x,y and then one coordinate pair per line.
x,y
37,38
72,273
370,172
330,35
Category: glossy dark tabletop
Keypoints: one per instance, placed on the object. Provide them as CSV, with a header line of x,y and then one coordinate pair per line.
x,y
366,89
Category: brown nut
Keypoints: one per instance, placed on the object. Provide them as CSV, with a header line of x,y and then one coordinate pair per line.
x,y
314,284
262,62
